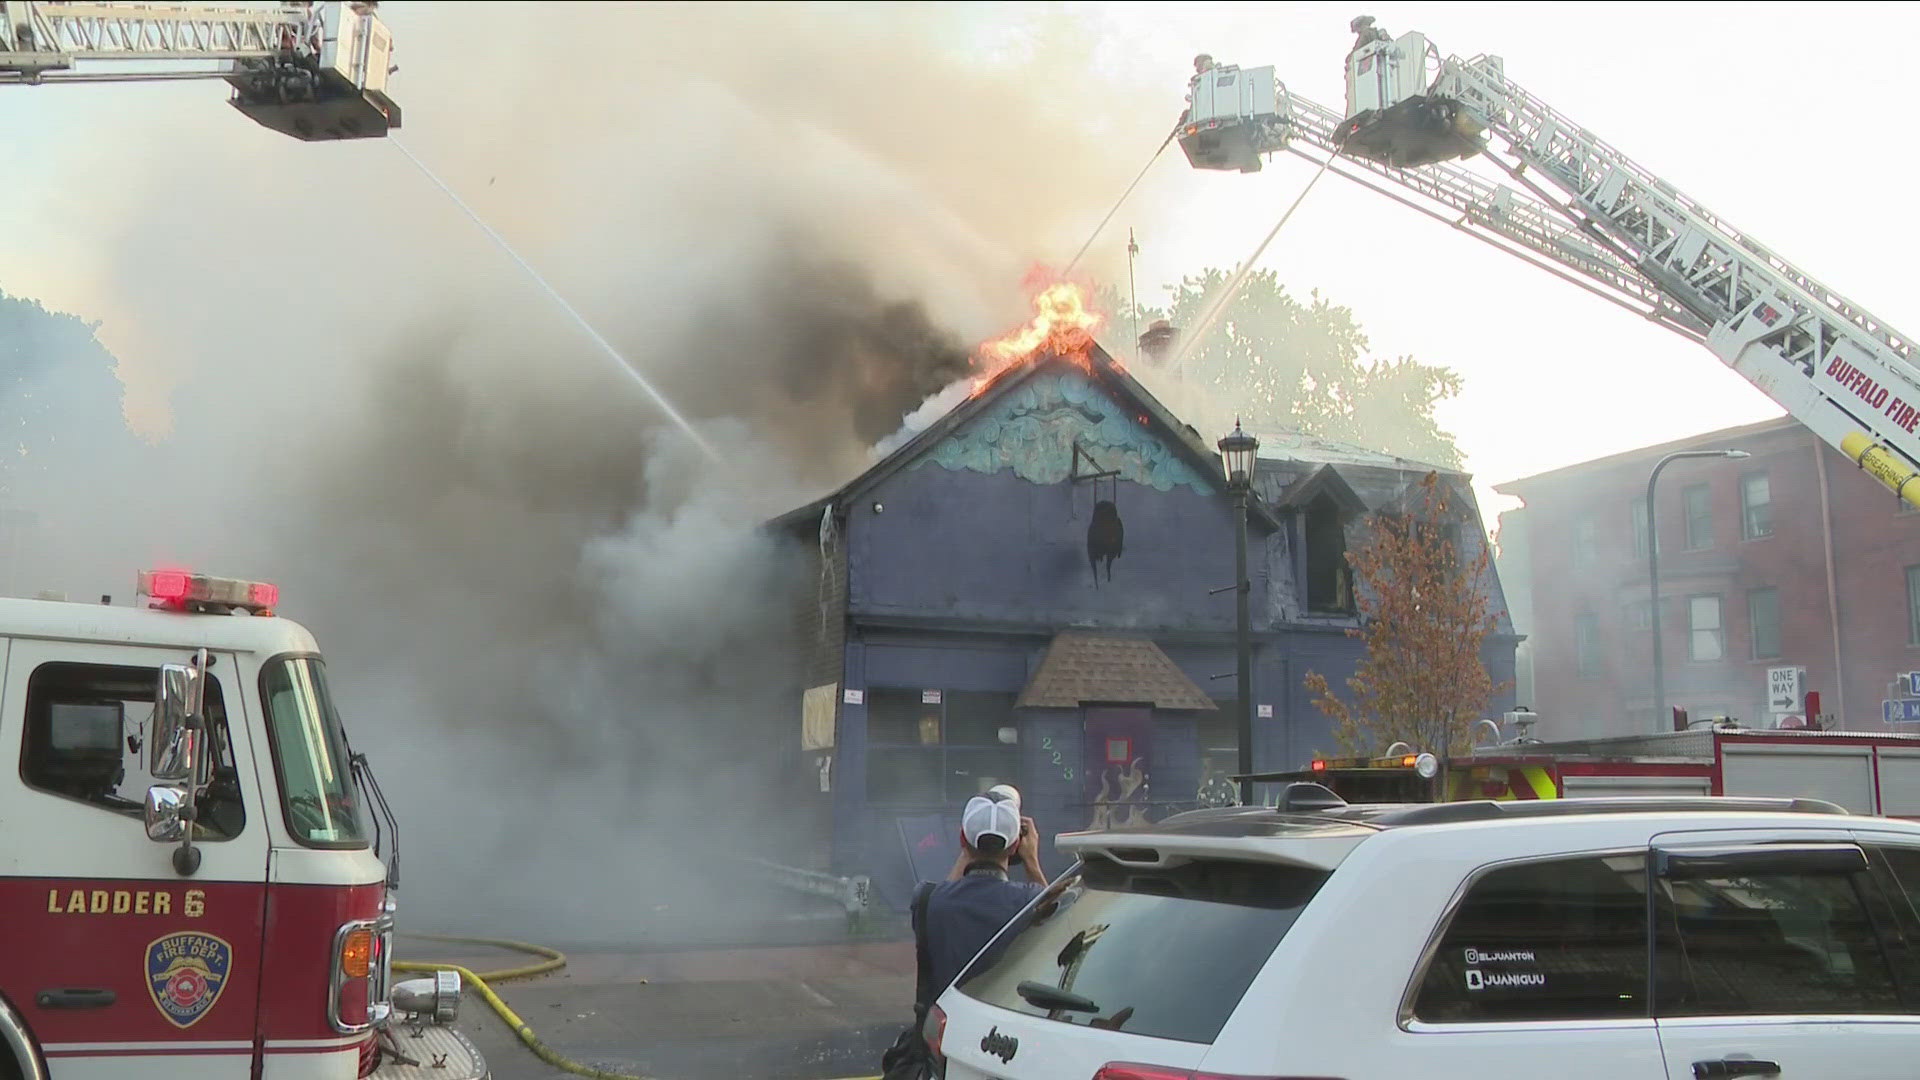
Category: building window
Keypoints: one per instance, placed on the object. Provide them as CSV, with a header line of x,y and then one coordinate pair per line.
x,y
1586,643
934,747
1913,605
1706,638
1329,578
1756,507
1699,511
1586,542
1763,622
1635,615
1640,529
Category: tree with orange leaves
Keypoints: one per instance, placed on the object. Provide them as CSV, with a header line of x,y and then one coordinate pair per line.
x,y
1424,614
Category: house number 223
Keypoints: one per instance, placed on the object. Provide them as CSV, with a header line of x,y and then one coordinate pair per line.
x,y
1057,758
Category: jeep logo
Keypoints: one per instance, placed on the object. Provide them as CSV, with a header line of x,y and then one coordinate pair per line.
x,y
1000,1046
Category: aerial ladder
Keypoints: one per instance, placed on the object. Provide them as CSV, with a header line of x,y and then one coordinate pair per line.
x,y
315,71
1576,206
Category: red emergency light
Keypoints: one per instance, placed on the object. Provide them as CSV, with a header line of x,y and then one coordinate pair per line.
x,y
180,590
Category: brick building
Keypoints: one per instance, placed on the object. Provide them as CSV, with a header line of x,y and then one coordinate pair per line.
x,y
1791,557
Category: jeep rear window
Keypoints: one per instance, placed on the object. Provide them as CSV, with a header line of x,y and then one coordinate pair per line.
x,y
1161,952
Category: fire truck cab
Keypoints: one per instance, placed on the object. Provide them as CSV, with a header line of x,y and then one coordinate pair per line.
x,y
189,877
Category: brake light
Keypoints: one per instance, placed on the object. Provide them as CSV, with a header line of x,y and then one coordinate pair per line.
x,y
1319,766
935,1030
1123,1070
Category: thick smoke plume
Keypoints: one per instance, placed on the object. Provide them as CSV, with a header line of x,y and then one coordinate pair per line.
x,y
550,619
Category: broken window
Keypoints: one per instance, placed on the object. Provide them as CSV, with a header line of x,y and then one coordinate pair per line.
x,y
1329,578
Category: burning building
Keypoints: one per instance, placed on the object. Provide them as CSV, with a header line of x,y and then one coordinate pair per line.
x,y
1029,591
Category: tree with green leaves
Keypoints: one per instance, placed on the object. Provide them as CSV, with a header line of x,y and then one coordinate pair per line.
x,y
1425,614
1288,364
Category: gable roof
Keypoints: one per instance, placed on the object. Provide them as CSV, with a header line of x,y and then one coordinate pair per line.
x,y
1081,667
1104,371
1323,480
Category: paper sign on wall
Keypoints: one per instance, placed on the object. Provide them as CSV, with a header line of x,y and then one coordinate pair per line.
x,y
1265,711
816,718
929,697
854,697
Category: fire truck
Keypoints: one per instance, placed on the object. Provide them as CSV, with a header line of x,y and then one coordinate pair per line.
x,y
197,872
1866,772
1459,141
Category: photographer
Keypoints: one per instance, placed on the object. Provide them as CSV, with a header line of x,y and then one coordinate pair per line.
x,y
954,920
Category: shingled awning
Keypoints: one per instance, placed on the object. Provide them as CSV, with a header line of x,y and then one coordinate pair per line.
x,y
1080,668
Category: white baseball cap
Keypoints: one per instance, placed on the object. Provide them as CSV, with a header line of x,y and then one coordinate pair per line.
x,y
989,817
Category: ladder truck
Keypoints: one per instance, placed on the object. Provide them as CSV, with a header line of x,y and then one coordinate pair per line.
x,y
315,71
1579,208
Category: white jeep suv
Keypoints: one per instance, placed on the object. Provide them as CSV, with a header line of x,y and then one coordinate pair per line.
x,y
1580,939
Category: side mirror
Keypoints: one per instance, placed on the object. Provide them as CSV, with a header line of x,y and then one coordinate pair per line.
x,y
176,710
166,814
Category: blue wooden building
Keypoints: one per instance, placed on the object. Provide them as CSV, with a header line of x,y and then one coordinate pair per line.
x,y
1025,593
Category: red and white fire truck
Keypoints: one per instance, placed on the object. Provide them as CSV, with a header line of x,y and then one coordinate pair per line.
x,y
1866,772
191,875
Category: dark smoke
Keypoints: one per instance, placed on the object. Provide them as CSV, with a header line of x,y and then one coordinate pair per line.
x,y
552,622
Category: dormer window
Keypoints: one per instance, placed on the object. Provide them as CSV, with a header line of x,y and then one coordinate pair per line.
x,y
1329,578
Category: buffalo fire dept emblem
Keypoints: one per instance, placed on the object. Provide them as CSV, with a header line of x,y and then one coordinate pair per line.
x,y
185,974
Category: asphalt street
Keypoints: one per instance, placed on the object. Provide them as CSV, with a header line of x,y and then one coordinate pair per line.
x,y
795,1012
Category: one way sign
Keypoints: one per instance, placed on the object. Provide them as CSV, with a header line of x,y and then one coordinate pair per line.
x,y
1784,688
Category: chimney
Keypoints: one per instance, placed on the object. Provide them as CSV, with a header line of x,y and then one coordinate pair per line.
x,y
1157,343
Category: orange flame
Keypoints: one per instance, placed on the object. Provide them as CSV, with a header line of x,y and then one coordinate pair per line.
x,y
1063,325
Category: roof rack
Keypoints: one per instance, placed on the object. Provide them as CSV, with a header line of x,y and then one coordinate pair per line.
x,y
1488,810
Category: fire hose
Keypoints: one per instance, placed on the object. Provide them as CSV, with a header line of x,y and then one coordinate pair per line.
x,y
555,960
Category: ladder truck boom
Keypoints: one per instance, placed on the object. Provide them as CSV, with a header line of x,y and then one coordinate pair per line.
x,y
1593,215
314,71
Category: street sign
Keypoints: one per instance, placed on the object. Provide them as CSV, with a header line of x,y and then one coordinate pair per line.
x,y
1903,711
1912,679
1784,688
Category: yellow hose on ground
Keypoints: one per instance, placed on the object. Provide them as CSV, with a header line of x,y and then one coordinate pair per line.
x,y
555,960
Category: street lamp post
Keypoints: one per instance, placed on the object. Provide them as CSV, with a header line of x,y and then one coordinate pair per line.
x,y
1653,577
1237,452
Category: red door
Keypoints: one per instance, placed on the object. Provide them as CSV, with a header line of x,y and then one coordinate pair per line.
x,y
1118,752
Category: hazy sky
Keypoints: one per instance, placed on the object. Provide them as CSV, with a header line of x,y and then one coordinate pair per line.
x,y
1779,118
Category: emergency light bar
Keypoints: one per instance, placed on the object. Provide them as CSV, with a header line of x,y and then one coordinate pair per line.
x,y
178,590
1424,764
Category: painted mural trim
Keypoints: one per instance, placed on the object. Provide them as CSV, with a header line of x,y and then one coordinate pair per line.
x,y
1032,429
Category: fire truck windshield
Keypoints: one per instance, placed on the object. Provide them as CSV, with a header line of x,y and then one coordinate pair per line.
x,y
310,755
